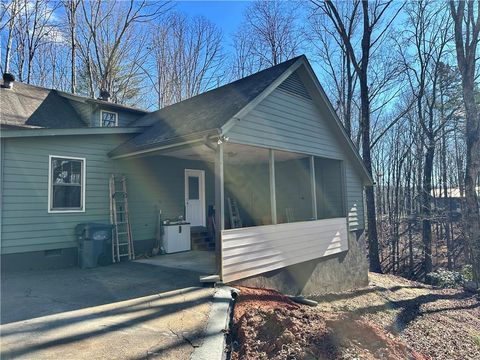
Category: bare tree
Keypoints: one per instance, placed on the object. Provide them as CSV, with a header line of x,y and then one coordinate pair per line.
x,y
37,27
71,7
428,38
10,10
188,57
268,35
331,53
466,17
372,16
111,45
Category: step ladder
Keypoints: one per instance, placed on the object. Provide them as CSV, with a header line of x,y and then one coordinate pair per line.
x,y
122,244
235,219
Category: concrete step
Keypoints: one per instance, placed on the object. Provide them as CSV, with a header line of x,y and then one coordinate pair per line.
x,y
204,246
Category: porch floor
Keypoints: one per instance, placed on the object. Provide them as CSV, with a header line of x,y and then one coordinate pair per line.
x,y
194,260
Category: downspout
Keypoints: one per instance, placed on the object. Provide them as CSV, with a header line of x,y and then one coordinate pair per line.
x,y
2,167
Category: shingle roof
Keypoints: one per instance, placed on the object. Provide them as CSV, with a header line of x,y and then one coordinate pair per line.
x,y
201,113
26,106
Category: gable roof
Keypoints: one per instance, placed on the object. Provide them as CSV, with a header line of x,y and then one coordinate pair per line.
x,y
28,106
216,111
206,112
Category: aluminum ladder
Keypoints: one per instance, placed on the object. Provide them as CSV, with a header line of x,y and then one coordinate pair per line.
x,y
122,244
235,219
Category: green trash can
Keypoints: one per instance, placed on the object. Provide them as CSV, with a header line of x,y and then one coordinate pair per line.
x,y
94,244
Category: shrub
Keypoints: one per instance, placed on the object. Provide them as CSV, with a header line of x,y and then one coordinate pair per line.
x,y
445,278
467,273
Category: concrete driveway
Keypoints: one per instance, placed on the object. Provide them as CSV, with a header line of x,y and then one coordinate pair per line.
x,y
123,311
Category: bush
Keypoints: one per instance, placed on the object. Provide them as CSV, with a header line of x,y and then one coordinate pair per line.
x,y
445,278
467,273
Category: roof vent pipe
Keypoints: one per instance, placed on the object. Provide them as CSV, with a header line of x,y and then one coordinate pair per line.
x,y
8,80
104,95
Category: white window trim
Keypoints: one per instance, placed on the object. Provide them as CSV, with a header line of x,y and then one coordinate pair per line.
x,y
84,185
111,112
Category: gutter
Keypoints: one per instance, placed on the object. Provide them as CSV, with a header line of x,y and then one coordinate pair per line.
x,y
68,132
2,167
190,139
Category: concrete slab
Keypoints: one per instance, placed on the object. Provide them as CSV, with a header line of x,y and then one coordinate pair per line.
x,y
123,311
194,260
214,344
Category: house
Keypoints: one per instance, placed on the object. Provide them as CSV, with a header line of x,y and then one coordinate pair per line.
x,y
270,142
453,204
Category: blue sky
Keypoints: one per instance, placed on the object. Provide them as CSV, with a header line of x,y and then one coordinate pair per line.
x,y
225,14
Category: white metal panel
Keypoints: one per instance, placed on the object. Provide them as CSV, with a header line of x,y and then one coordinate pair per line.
x,y
256,250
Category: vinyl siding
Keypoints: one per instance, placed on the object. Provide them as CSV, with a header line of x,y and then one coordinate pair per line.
x,y
158,183
26,223
252,251
152,183
286,121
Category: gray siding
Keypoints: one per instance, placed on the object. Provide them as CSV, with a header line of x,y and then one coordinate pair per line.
x,y
151,183
289,122
158,183
26,223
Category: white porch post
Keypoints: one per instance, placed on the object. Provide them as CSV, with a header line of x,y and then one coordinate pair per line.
x,y
219,205
313,187
273,199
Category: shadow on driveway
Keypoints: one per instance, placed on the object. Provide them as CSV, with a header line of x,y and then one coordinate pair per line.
x,y
27,295
124,311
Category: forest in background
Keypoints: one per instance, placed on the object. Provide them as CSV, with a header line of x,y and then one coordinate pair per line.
x,y
402,76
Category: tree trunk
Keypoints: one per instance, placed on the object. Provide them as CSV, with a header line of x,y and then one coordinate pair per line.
x,y
8,49
73,40
448,211
369,193
471,175
466,48
427,207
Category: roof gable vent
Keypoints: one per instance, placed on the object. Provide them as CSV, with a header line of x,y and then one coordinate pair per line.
x,y
294,85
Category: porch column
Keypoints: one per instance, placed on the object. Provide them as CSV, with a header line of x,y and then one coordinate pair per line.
x,y
273,199
313,187
219,206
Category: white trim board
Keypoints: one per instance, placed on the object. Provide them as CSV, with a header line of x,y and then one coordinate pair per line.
x,y
84,185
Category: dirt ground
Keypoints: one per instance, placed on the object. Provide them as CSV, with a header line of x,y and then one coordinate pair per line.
x,y
392,318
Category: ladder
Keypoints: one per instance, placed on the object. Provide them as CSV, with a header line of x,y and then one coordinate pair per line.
x,y
235,219
122,244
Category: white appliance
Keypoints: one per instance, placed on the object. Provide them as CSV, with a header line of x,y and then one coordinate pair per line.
x,y
176,237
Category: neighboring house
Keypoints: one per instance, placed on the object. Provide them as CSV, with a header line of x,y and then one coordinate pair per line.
x,y
270,141
453,204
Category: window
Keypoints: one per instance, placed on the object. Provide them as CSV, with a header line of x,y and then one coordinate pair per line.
x,y
66,184
108,119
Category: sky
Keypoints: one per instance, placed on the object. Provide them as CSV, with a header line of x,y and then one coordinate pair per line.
x,y
225,14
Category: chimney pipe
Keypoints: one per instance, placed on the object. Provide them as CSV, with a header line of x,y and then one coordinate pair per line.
x,y
8,80
104,95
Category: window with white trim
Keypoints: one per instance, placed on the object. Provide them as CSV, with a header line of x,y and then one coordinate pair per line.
x,y
66,183
108,119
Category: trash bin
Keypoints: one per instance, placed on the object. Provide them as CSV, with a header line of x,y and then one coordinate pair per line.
x,y
95,244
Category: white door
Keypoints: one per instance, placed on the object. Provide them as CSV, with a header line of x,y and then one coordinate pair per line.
x,y
195,197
